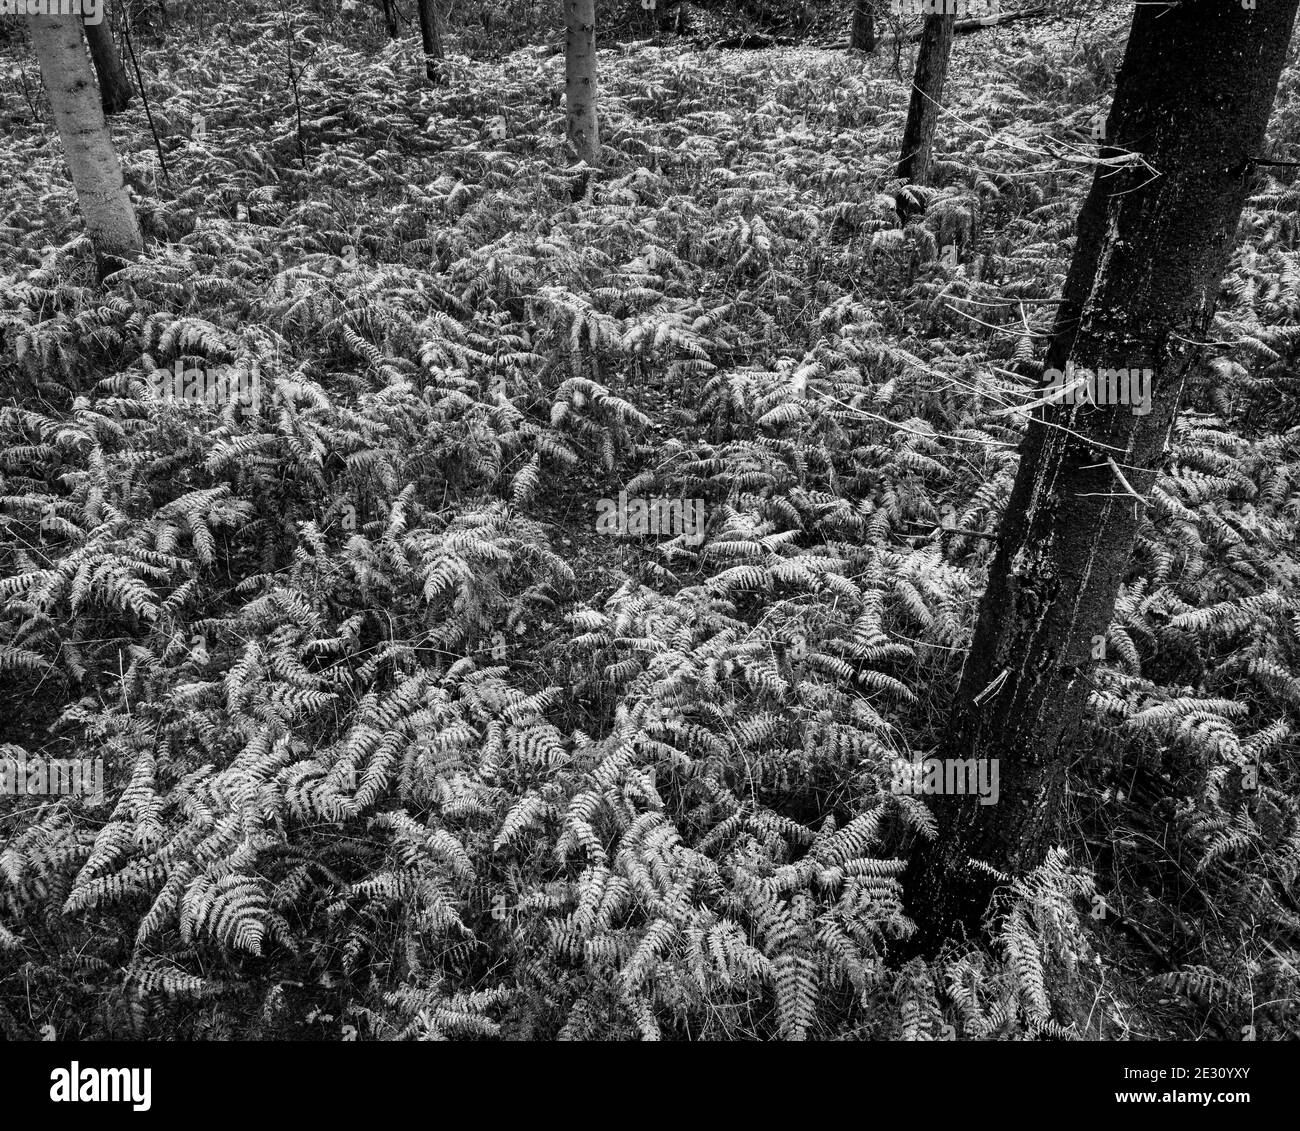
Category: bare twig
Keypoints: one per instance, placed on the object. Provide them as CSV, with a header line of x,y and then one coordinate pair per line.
x,y
144,98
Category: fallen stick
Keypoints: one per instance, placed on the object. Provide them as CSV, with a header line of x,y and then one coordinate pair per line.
x,y
960,27
751,42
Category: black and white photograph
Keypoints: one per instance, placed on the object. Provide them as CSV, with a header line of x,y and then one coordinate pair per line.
x,y
618,521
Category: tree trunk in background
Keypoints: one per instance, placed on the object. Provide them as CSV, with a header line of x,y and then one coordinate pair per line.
x,y
862,37
87,146
431,39
1193,98
115,88
580,79
927,97
390,17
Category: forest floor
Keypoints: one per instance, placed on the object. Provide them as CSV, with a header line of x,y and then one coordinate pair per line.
x,y
466,347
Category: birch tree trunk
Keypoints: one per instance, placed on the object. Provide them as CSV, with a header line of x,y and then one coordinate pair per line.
x,y
87,146
1193,98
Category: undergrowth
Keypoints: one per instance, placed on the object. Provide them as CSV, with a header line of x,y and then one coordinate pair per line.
x,y
397,744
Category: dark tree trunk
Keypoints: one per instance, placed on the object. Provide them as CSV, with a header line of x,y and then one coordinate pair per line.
x,y
862,37
432,40
582,127
1192,98
927,97
390,17
115,88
